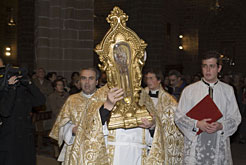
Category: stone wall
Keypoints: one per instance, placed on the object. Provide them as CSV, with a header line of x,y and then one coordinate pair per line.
x,y
64,35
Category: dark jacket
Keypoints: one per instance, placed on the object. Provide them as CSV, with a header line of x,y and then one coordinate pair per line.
x,y
17,131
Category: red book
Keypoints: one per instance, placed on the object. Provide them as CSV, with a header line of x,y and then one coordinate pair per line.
x,y
205,109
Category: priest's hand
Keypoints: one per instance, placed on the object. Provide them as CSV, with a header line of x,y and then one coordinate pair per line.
x,y
147,124
114,95
214,127
74,130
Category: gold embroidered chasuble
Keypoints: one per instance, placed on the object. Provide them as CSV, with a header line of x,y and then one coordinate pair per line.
x,y
89,144
173,138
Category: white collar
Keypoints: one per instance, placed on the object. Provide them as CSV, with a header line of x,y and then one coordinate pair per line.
x,y
210,84
154,91
87,95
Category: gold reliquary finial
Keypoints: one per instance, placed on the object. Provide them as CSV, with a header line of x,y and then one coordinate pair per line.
x,y
122,54
117,16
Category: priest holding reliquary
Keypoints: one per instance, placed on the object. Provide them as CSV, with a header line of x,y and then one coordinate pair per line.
x,y
122,54
96,133
128,138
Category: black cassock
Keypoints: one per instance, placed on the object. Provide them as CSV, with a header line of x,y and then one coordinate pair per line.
x,y
17,131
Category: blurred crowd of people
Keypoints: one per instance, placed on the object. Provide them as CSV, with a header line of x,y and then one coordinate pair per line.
x,y
56,88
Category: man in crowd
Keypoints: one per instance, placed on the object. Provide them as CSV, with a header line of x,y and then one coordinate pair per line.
x,y
212,146
52,76
45,87
43,84
176,83
165,104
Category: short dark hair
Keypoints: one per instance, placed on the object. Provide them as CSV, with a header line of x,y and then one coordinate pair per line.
x,y
40,68
212,54
54,84
92,69
50,74
158,73
174,72
73,74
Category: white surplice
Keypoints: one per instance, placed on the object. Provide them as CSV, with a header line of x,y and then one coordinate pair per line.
x,y
66,136
208,149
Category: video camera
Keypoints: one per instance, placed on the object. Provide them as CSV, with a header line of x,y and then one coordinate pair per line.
x,y
8,71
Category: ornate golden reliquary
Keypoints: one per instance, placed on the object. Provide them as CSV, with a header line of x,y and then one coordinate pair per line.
x,y
121,53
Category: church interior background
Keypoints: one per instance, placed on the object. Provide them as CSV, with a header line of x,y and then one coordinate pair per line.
x,y
60,35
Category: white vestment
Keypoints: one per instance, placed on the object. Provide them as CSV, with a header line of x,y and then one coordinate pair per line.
x,y
129,144
208,149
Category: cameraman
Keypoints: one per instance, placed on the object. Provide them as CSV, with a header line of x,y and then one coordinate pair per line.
x,y
16,128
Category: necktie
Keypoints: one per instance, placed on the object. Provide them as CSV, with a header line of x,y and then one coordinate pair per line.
x,y
210,92
153,94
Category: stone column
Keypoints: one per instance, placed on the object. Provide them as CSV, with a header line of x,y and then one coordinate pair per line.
x,y
25,34
64,35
